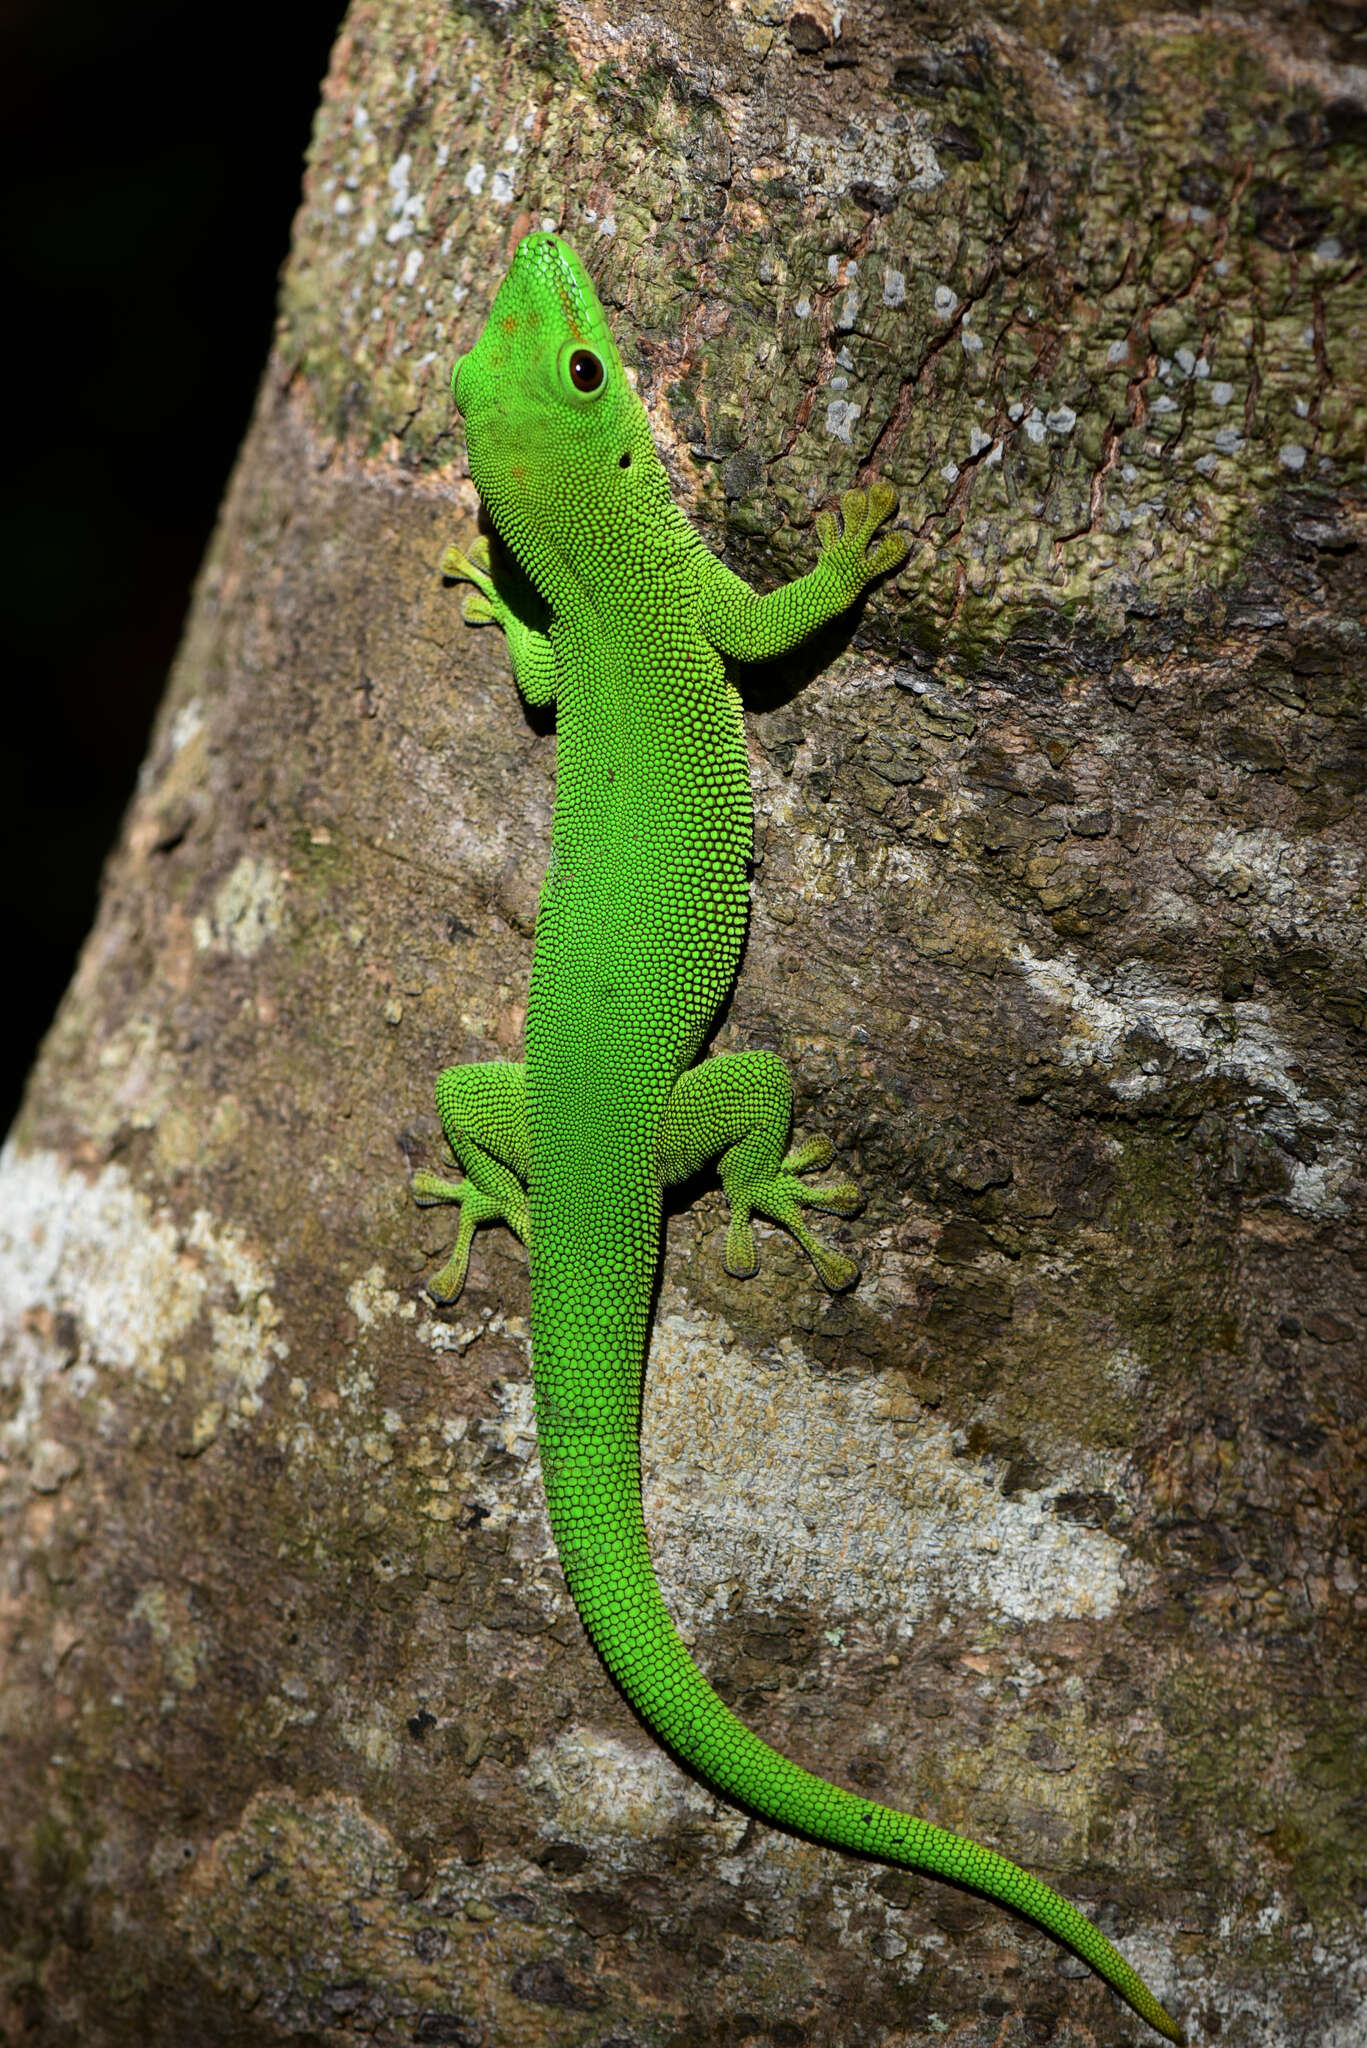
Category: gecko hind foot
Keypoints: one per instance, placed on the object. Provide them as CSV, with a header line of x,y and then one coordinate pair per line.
x,y
476,1207
782,1199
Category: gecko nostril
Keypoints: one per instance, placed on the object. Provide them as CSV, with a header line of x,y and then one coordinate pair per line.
x,y
624,461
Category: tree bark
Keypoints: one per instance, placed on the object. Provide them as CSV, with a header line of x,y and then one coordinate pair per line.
x,y
1053,1529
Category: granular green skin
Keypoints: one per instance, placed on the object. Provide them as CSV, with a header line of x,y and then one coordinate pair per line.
x,y
639,931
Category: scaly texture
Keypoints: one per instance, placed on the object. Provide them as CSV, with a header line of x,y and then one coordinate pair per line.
x,y
616,609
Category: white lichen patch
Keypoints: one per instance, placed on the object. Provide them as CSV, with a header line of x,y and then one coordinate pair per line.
x,y
594,1784
167,1616
187,725
769,1484
886,156
841,416
517,1502
368,1728
1235,1041
93,1279
515,1433
826,869
593,40
248,910
1326,1975
52,1464
1311,885
371,1298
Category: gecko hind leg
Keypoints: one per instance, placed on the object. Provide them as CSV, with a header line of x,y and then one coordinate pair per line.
x,y
739,1107
483,1111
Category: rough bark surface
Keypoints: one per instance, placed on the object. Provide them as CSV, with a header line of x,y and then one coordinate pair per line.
x,y
1054,1529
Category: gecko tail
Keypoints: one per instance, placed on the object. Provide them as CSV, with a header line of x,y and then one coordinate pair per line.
x,y
590,1327
593,1494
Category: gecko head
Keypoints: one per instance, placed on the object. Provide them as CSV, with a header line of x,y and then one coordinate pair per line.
x,y
551,419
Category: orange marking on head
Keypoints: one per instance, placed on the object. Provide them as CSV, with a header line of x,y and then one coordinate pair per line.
x,y
568,309
510,323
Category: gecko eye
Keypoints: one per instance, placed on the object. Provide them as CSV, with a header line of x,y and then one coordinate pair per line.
x,y
586,371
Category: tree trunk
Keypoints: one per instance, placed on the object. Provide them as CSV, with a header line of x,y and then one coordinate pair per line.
x,y
1047,1531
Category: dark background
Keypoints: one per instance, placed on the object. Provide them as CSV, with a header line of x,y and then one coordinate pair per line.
x,y
152,153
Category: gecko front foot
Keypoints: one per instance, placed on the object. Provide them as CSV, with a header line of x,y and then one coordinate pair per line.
x,y
483,607
782,1197
852,548
504,597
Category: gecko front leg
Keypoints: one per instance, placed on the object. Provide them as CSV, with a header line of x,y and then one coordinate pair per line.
x,y
740,623
504,597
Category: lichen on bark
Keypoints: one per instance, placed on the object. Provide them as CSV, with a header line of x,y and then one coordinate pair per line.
x,y
1052,1528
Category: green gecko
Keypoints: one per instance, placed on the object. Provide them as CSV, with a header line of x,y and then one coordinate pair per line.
x,y
614,608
